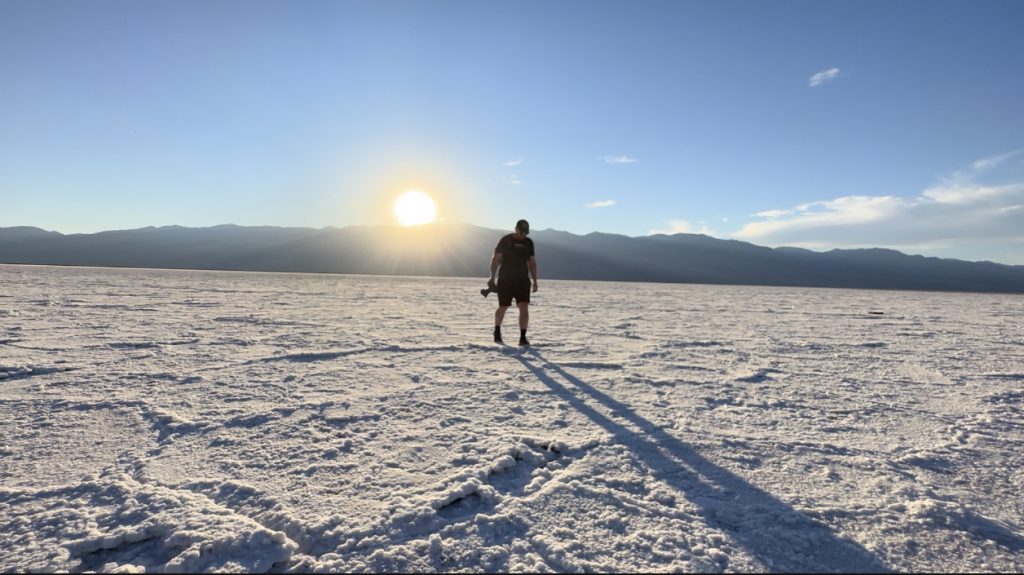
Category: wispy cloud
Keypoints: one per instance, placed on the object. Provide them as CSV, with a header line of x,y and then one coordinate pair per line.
x,y
773,213
991,162
515,162
958,211
600,204
619,160
512,180
683,227
822,77
962,193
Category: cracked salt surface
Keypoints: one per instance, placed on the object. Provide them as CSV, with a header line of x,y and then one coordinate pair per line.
x,y
210,421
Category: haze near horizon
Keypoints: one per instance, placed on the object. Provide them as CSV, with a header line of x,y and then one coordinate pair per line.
x,y
837,125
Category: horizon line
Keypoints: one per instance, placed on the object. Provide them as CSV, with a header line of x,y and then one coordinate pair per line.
x,y
468,224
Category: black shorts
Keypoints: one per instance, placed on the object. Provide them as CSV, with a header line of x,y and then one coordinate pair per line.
x,y
518,289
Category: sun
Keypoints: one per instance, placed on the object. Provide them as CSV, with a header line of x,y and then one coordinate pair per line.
x,y
414,208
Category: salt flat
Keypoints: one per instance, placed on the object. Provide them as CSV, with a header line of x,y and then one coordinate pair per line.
x,y
186,421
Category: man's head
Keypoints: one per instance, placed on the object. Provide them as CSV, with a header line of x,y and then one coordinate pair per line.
x,y
523,227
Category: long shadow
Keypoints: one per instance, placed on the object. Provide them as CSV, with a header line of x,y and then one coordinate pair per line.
x,y
780,537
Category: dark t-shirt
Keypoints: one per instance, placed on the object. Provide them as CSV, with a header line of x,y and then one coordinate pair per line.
x,y
515,255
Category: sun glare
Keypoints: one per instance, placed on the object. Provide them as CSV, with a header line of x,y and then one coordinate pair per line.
x,y
414,208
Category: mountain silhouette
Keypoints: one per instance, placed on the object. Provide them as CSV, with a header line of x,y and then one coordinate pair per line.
x,y
464,250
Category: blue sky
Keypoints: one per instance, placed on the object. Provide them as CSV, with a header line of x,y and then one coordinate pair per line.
x,y
818,124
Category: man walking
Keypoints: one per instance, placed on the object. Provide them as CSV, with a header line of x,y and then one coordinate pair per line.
x,y
514,255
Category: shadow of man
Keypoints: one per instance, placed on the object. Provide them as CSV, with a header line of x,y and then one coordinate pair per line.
x,y
776,534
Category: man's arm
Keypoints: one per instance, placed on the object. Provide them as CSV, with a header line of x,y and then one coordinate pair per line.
x,y
533,271
495,263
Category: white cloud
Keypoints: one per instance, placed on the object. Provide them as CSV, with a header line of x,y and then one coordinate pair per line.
x,y
840,212
683,227
962,193
512,180
991,162
823,76
774,213
515,162
956,213
600,204
619,160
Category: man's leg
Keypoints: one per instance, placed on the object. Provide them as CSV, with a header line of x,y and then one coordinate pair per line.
x,y
499,315
524,321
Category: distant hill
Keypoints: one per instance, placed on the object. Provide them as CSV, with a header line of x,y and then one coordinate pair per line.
x,y
465,250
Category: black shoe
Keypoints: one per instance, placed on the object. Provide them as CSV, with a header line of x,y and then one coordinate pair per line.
x,y
523,341
497,335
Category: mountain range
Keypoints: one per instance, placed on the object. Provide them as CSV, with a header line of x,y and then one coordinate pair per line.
x,y
464,250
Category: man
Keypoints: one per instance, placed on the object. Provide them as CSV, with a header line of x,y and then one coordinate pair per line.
x,y
514,255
